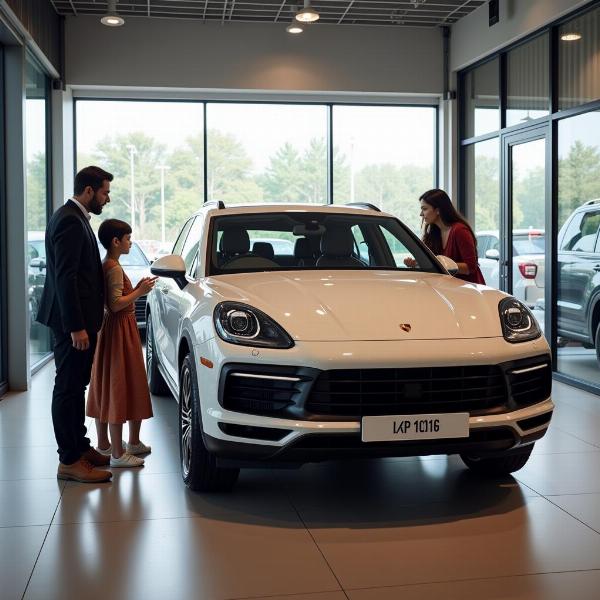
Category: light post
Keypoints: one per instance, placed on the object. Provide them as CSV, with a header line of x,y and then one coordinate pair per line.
x,y
132,151
162,169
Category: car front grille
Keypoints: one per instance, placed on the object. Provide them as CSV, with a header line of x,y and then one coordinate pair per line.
x,y
349,394
140,309
362,392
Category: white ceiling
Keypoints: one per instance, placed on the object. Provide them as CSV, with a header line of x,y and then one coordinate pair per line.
x,y
409,13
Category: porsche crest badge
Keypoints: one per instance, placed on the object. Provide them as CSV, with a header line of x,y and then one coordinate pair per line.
x,y
405,327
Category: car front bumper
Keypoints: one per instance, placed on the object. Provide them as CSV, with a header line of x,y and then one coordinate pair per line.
x,y
240,436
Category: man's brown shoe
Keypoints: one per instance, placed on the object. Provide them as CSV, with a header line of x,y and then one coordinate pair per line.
x,y
97,459
84,471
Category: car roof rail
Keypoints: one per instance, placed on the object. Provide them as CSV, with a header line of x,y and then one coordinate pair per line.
x,y
219,203
593,201
364,205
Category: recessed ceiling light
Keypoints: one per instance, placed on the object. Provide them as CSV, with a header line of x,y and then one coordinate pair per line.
x,y
570,37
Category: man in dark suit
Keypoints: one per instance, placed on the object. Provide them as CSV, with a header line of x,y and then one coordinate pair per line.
x,y
72,305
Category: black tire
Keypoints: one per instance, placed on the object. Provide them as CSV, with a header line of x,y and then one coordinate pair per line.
x,y
199,468
597,342
156,382
511,461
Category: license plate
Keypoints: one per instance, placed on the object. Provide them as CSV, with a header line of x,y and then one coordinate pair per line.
x,y
414,427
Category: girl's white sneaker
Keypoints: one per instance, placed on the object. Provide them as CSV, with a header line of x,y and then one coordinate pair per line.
x,y
126,460
140,448
108,451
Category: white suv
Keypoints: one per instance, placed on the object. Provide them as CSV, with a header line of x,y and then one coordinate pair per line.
x,y
337,350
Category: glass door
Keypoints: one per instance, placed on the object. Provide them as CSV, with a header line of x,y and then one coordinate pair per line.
x,y
522,250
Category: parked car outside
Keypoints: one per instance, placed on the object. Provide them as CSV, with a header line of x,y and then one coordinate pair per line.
x,y
136,265
354,355
36,271
528,262
578,285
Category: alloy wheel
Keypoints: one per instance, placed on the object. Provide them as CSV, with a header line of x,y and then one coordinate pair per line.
x,y
185,422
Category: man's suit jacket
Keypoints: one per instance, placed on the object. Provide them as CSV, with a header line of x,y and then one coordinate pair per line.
x,y
73,296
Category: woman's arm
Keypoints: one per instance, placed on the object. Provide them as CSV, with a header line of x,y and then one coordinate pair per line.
x,y
466,250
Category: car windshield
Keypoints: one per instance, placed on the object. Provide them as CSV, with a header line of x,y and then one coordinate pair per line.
x,y
135,258
301,240
528,244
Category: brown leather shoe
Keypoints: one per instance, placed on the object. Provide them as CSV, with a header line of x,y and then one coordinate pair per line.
x,y
84,471
97,459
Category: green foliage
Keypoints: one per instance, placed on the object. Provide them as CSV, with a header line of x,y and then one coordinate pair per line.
x,y
36,193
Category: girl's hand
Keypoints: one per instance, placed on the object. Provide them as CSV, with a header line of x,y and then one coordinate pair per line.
x,y
146,284
409,261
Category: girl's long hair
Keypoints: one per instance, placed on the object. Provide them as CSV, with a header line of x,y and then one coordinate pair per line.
x,y
432,236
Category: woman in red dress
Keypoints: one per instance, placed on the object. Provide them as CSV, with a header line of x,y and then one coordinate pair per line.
x,y
447,232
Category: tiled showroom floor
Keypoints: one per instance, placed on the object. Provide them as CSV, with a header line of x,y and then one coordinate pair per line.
x,y
410,528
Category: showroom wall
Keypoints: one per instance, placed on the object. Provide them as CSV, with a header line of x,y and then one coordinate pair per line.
x,y
191,54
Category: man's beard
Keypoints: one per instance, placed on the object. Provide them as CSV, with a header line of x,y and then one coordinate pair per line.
x,y
95,206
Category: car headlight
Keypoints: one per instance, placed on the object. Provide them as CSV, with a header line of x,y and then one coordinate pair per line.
x,y
239,323
518,324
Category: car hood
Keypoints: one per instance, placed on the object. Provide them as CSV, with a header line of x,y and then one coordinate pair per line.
x,y
360,305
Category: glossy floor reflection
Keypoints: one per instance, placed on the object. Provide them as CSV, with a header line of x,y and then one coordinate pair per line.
x,y
406,528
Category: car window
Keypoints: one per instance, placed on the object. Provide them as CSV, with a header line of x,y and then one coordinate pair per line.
x,y
182,237
36,249
190,247
321,240
581,233
528,244
135,258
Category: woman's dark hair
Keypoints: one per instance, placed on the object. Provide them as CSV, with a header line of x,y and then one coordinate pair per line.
x,y
432,236
110,229
92,176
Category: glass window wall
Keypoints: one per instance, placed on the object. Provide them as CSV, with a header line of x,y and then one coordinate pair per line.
x,y
384,155
579,60
578,306
481,96
528,90
266,153
36,110
155,150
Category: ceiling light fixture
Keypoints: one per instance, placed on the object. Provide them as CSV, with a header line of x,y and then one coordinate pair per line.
x,y
111,18
308,14
570,37
294,27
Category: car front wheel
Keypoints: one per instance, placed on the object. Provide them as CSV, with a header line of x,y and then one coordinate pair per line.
x,y
511,461
597,342
198,466
156,383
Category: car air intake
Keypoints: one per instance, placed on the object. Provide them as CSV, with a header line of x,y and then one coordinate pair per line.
x,y
361,392
530,381
259,393
140,309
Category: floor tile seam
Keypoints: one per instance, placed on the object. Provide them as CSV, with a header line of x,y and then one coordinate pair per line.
x,y
319,549
37,558
181,517
571,515
581,440
284,595
468,579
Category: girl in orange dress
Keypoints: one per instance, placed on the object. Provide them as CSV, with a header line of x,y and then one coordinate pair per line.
x,y
118,387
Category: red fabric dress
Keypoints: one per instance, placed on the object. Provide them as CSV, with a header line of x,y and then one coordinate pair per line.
x,y
118,388
460,247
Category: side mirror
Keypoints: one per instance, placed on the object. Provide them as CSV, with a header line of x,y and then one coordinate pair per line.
x,y
493,254
38,263
171,266
448,264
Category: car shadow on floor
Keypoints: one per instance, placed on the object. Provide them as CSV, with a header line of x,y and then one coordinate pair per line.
x,y
364,494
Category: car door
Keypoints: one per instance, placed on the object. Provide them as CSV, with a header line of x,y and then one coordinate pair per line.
x,y
578,271
162,289
176,301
